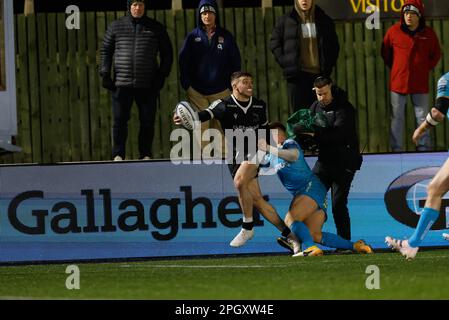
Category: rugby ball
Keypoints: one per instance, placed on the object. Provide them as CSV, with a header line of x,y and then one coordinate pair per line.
x,y
188,115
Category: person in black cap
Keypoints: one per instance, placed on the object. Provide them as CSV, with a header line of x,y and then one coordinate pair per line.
x,y
132,45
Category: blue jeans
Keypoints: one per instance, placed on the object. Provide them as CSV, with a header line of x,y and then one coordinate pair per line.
x,y
421,105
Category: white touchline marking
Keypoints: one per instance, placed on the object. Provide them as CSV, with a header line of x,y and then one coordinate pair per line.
x,y
303,260
206,266
31,298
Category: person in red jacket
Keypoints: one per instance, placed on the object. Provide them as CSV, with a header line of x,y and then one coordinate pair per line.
x,y
411,50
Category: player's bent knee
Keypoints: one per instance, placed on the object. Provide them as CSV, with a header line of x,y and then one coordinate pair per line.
x,y
435,189
239,183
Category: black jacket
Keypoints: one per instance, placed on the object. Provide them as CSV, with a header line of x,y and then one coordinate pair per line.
x,y
132,48
338,144
285,42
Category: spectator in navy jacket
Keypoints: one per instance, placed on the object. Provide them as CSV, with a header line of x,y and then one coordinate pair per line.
x,y
207,60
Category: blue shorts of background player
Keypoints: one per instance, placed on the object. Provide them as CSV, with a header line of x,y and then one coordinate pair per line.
x,y
307,212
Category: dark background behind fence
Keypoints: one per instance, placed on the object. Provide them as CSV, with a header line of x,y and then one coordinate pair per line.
x,y
65,115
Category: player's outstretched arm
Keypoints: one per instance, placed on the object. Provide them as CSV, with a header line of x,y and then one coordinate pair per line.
x,y
435,116
289,155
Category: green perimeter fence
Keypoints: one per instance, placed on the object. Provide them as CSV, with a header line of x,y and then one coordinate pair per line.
x,y
65,115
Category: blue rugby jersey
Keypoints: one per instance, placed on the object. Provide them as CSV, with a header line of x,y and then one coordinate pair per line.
x,y
293,175
443,88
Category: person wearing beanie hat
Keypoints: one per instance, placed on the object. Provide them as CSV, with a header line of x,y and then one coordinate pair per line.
x,y
136,8
412,9
411,50
208,58
130,2
207,8
139,52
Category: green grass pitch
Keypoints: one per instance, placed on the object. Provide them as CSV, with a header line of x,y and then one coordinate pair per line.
x,y
256,277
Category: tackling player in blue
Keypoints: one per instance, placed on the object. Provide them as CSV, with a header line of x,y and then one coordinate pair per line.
x,y
439,184
307,212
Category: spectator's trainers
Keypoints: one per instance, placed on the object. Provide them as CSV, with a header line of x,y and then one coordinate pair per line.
x,y
361,247
290,243
146,158
241,238
118,158
403,247
312,251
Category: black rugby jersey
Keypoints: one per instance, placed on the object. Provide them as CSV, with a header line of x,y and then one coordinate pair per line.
x,y
233,116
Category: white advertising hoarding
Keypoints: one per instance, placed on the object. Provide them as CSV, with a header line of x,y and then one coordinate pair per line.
x,y
158,209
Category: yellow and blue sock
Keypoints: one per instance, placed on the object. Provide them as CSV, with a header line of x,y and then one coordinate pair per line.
x,y
427,219
303,234
335,241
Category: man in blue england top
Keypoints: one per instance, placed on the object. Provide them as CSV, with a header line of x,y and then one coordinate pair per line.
x,y
307,212
207,59
439,184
